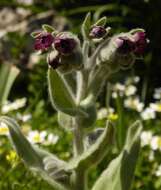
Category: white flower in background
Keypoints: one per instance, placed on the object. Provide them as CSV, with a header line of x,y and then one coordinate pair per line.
x,y
148,113
156,143
25,2
151,155
157,94
156,106
102,113
158,171
24,117
114,95
4,129
51,139
118,88
42,137
132,80
136,79
36,136
10,106
133,103
146,137
130,90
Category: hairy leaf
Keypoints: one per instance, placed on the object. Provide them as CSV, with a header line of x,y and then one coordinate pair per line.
x,y
86,26
119,174
34,157
24,149
8,74
60,94
96,152
101,22
65,121
48,28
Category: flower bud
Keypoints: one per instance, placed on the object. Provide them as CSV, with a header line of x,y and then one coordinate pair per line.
x,y
67,55
65,64
43,41
135,44
53,60
118,53
97,32
125,45
140,41
65,44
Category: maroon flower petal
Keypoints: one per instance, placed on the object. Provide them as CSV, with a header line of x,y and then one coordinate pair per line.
x,y
54,62
64,45
140,42
97,32
43,41
125,45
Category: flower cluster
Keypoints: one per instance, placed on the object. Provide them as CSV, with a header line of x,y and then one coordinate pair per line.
x,y
43,41
34,136
152,141
64,49
128,92
42,137
110,114
61,44
136,44
11,106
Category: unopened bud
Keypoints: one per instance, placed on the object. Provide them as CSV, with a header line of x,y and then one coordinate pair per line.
x,y
53,60
64,44
97,32
125,45
140,41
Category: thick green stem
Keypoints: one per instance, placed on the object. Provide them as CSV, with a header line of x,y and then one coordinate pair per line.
x,y
80,178
121,131
78,137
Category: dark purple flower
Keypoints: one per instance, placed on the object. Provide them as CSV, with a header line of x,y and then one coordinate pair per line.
x,y
64,45
125,45
43,41
97,32
140,41
53,62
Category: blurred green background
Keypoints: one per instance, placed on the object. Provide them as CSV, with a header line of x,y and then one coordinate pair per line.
x,y
18,18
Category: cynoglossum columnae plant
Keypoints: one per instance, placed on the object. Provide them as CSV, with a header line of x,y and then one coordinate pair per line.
x,y
76,75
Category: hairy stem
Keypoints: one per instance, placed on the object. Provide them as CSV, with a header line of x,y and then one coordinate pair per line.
x,y
81,180
78,146
78,137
